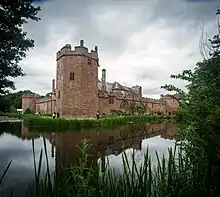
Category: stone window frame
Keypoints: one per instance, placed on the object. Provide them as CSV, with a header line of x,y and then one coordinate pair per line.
x,y
72,76
89,61
111,100
58,96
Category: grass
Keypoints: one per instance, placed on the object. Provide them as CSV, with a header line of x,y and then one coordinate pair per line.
x,y
61,124
169,177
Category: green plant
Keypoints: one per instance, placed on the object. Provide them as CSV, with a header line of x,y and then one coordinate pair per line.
x,y
200,111
37,122
27,111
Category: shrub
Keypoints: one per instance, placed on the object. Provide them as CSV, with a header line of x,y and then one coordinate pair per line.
x,y
28,111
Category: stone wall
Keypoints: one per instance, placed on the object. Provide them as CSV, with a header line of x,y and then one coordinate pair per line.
x,y
153,106
45,105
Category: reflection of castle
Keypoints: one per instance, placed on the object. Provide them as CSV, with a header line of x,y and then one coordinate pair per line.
x,y
106,142
79,92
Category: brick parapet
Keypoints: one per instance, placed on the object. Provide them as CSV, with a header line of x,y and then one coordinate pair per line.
x,y
78,51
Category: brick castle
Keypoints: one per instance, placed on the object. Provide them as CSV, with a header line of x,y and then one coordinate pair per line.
x,y
78,91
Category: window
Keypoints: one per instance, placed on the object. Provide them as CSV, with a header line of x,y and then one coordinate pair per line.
x,y
89,61
58,94
71,76
111,100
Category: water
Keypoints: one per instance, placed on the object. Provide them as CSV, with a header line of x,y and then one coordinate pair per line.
x,y
105,144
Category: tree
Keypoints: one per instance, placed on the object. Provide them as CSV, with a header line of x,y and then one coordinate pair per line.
x,y
16,98
200,111
13,42
4,104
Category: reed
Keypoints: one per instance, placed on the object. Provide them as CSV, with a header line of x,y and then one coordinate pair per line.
x,y
172,176
61,124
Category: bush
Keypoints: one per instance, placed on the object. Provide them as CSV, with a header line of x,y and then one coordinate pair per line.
x,y
12,109
28,111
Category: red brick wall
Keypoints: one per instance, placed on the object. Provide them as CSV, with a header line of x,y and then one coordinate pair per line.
x,y
44,105
171,103
152,106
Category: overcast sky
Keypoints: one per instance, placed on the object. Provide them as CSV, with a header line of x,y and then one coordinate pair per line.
x,y
140,42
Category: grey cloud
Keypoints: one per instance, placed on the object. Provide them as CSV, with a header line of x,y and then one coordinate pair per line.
x,y
82,13
183,18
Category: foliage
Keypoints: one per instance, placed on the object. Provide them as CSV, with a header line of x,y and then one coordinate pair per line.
x,y
12,109
60,124
14,42
28,111
16,98
4,104
136,108
201,112
14,115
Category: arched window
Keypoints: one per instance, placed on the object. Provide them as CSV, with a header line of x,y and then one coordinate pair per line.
x,y
71,76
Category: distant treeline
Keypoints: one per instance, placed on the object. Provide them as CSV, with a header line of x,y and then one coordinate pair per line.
x,y
13,101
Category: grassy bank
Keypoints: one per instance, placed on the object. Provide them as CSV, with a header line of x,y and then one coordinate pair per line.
x,y
61,124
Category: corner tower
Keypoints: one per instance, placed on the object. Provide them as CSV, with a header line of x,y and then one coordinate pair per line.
x,y
77,81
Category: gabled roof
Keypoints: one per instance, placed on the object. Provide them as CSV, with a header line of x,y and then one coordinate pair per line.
x,y
117,86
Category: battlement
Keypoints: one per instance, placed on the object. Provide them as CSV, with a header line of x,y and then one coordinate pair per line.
x,y
30,96
151,100
78,50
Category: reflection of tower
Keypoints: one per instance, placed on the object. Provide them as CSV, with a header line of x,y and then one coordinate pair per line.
x,y
52,150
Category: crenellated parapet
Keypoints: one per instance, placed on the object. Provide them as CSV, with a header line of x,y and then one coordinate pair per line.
x,y
151,100
30,96
78,50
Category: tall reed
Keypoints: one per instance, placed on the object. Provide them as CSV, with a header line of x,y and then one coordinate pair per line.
x,y
172,176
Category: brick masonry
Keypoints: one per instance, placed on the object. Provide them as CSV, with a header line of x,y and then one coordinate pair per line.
x,y
79,93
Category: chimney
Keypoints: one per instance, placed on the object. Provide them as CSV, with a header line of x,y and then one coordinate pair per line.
x,y
53,85
81,43
96,49
103,80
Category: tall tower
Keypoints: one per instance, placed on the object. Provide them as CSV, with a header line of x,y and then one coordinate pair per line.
x,y
77,81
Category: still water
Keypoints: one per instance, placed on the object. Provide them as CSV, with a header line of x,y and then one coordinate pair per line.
x,y
61,148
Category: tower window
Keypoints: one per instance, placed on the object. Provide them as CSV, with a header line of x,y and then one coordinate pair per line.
x,y
89,61
111,100
71,76
58,95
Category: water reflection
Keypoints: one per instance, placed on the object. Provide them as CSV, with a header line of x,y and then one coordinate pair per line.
x,y
16,145
109,142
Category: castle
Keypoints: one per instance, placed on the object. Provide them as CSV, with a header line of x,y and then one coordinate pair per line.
x,y
78,92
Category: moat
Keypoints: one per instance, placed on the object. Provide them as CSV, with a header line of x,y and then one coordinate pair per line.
x,y
16,145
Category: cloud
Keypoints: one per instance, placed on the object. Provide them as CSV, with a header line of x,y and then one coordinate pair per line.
x,y
140,42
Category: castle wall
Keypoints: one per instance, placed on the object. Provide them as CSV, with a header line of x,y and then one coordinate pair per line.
x,y
153,106
171,104
45,105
